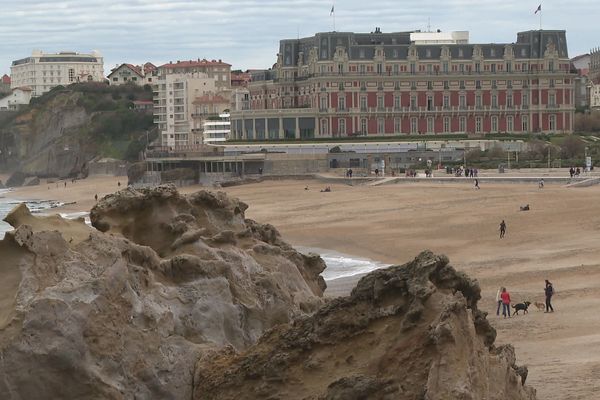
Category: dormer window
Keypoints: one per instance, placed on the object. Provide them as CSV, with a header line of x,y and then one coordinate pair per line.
x,y
428,53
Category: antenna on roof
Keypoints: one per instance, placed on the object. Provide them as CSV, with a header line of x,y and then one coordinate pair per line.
x,y
428,24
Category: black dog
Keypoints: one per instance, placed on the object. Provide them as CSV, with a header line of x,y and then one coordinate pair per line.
x,y
521,306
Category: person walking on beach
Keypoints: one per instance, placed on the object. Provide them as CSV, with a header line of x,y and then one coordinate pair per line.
x,y
499,300
541,183
549,291
505,296
477,184
502,229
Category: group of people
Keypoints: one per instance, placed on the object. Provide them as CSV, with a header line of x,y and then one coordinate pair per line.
x,y
503,300
574,172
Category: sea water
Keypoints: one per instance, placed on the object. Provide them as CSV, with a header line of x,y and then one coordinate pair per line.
x,y
342,265
35,206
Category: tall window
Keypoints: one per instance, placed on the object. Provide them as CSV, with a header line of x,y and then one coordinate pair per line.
x,y
397,102
525,124
397,125
342,126
430,125
342,103
446,102
381,126
413,68
551,99
324,127
380,102
414,126
494,124
429,103
552,122
363,103
478,101
71,75
477,124
525,99
462,124
396,69
323,101
363,126
413,103
446,124
379,68
509,100
362,69
510,125
494,101
445,67
462,101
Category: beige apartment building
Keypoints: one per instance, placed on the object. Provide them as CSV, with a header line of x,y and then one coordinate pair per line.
x,y
43,71
186,93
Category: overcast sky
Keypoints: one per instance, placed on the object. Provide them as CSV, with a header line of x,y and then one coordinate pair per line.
x,y
245,33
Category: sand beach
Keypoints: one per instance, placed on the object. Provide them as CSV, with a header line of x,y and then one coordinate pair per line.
x,y
556,240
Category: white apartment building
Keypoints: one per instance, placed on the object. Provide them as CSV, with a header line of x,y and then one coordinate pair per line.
x,y
43,71
216,130
174,95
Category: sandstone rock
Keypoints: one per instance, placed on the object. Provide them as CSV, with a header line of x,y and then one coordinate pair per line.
x,y
32,181
126,311
16,179
405,332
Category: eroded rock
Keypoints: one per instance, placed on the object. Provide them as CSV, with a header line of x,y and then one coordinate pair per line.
x,y
405,332
126,311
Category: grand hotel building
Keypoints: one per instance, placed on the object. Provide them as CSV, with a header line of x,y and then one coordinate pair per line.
x,y
338,84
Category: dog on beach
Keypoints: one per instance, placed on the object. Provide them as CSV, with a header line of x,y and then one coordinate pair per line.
x,y
540,306
521,307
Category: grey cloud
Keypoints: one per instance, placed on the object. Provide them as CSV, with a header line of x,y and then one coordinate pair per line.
x,y
245,33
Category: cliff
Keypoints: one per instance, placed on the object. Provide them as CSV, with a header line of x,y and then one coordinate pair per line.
x,y
127,313
61,131
405,332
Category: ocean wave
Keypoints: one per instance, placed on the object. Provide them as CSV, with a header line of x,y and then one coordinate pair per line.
x,y
342,265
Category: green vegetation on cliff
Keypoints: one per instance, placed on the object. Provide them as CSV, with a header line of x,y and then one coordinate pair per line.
x,y
59,132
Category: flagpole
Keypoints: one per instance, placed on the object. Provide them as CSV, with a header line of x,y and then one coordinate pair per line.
x,y
333,8
541,16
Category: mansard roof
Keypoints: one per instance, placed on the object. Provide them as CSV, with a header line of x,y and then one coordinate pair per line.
x,y
359,46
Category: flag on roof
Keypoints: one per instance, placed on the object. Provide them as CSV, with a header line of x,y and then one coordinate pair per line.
x,y
538,9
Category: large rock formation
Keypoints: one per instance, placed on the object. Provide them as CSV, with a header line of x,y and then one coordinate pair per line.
x,y
405,332
126,311
170,298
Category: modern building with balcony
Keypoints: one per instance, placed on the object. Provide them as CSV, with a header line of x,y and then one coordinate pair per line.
x,y
43,71
339,84
185,94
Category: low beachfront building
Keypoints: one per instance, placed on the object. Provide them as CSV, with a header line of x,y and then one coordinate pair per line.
x,y
340,84
43,71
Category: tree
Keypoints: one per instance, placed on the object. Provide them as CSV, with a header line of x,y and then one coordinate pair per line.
x,y
572,147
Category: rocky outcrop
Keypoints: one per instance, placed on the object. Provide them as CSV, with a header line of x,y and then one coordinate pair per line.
x,y
126,310
32,181
16,179
406,332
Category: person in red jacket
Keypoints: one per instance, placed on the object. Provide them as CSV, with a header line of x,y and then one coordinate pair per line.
x,y
505,296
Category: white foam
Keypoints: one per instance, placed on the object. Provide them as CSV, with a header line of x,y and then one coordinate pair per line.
x,y
342,265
